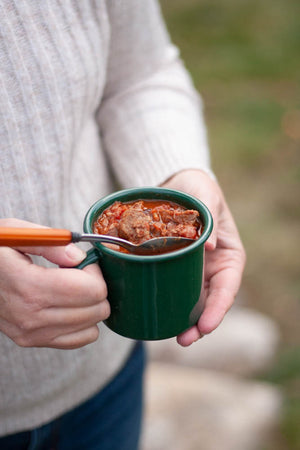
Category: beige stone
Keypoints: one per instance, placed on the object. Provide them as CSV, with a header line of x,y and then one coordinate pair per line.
x,y
193,409
245,344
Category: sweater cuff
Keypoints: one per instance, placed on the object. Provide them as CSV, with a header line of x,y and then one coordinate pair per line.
x,y
148,150
158,159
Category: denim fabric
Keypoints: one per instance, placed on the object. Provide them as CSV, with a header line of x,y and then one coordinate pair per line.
x,y
111,420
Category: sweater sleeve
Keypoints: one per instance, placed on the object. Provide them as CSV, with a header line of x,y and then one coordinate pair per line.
x,y
151,120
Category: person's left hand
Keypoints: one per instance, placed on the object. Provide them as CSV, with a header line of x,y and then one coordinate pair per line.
x,y
225,256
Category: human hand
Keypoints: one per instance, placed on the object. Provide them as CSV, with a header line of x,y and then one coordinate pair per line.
x,y
50,307
225,256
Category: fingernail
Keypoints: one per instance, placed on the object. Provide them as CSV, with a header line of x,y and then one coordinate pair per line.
x,y
75,253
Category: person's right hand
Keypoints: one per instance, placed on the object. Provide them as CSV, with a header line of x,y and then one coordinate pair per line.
x,y
55,307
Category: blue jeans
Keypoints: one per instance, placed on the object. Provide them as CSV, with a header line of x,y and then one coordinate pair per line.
x,y
111,420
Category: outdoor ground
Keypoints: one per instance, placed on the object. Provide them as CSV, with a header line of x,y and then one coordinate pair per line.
x,y
244,57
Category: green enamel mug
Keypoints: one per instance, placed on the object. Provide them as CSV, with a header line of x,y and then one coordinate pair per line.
x,y
155,296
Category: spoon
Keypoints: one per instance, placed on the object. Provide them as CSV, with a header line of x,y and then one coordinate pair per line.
x,y
12,237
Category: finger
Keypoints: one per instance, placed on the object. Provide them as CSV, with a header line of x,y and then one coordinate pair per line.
x,y
69,287
188,337
58,324
73,317
223,288
212,201
63,324
65,256
75,340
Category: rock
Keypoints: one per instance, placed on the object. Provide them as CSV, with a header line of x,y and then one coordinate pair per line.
x,y
192,409
245,343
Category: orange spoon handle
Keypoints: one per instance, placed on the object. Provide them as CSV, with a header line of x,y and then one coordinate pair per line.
x,y
13,237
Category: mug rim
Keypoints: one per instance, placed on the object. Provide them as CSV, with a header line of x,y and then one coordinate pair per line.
x,y
120,194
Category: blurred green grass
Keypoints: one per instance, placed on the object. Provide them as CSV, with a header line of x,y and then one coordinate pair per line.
x,y
244,58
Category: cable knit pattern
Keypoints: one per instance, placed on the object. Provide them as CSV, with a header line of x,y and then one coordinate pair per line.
x,y
90,91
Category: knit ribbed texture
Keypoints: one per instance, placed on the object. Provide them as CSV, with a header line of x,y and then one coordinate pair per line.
x,y
88,89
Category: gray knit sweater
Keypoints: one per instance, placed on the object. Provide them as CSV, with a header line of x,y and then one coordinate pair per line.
x,y
90,91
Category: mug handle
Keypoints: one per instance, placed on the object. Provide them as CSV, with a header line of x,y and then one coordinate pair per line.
x,y
92,256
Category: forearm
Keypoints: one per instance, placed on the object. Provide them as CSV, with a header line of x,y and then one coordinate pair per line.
x,y
151,119
157,127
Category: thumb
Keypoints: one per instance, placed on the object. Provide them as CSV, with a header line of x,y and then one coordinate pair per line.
x,y
68,256
65,256
213,204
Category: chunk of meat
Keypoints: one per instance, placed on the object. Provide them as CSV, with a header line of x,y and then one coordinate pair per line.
x,y
135,226
187,231
188,216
